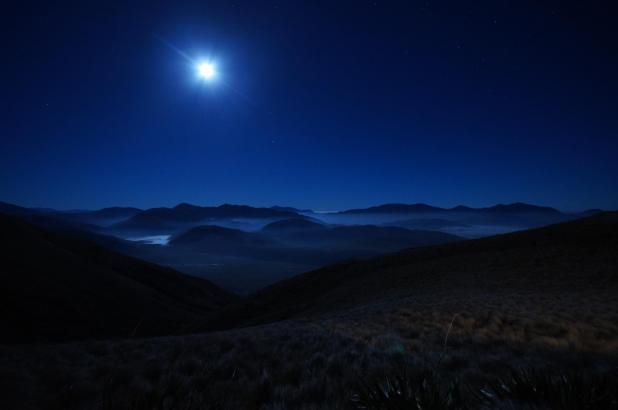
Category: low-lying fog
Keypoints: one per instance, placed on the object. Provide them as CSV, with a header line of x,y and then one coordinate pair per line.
x,y
248,256
151,239
456,224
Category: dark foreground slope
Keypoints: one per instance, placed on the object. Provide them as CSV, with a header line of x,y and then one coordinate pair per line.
x,y
61,287
571,259
422,329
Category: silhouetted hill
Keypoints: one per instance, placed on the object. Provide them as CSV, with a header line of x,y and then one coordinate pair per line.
x,y
462,208
193,212
291,209
293,224
87,219
572,257
116,212
590,212
431,224
394,209
244,262
167,218
59,224
46,218
288,234
104,216
11,209
499,218
216,237
146,220
520,208
60,287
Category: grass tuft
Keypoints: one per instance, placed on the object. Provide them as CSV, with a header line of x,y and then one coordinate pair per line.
x,y
551,390
405,390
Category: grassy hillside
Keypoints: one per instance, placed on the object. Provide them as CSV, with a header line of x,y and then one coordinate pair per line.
x,y
572,259
520,321
60,287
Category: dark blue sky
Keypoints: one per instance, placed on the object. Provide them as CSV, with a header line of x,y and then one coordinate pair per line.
x,y
317,104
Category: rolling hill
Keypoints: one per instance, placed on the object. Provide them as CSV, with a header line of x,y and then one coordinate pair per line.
x,y
431,224
213,238
495,318
369,238
87,218
306,241
292,225
247,261
184,215
103,217
61,287
571,259
395,209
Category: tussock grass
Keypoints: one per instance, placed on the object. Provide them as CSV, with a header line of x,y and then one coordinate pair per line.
x,y
530,388
424,390
547,389
391,358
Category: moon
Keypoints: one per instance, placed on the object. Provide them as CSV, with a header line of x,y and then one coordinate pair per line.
x,y
206,70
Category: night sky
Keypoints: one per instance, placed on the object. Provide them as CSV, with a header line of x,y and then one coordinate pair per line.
x,y
314,104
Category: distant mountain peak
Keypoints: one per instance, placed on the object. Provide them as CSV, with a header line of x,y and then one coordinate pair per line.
x,y
290,209
462,208
292,224
236,206
212,230
185,205
119,208
521,207
215,237
395,208
12,209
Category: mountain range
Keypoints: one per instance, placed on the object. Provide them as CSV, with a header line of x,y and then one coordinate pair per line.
x,y
514,208
63,285
184,214
163,218
244,248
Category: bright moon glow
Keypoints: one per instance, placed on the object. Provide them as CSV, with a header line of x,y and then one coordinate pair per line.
x,y
206,70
